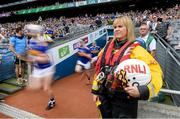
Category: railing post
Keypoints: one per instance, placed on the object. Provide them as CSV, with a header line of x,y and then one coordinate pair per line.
x,y
165,68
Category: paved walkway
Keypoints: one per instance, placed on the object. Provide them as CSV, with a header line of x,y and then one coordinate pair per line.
x,y
72,95
3,116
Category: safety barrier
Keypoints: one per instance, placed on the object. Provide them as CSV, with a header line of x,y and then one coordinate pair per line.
x,y
6,63
169,60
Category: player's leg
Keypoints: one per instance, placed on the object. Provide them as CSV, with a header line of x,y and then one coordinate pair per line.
x,y
34,83
87,72
18,71
47,87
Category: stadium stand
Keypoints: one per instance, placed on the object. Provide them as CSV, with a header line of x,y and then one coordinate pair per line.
x,y
175,38
67,24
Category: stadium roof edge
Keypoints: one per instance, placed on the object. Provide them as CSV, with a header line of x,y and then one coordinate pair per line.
x,y
16,3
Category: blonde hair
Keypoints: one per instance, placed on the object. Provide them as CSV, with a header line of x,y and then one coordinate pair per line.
x,y
127,22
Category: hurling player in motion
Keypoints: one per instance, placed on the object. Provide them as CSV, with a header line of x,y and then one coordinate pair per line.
x,y
126,76
42,69
83,63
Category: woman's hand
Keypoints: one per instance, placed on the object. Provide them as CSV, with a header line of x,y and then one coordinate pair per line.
x,y
132,91
95,98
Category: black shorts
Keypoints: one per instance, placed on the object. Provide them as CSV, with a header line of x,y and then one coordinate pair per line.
x,y
17,61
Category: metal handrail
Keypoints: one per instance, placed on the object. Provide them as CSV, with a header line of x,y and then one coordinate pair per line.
x,y
176,92
175,59
168,45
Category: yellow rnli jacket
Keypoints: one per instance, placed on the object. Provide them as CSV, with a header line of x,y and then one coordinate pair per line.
x,y
156,74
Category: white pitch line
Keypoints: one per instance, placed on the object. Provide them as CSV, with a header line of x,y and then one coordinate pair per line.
x,y
15,112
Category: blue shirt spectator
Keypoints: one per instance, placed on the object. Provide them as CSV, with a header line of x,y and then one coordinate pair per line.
x,y
19,43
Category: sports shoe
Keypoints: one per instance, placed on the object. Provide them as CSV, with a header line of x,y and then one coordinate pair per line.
x,y
24,80
51,104
19,81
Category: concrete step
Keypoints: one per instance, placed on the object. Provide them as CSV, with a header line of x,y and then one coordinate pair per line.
x,y
12,81
174,42
3,95
9,89
155,110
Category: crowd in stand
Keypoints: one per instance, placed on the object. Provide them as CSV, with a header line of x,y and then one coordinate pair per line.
x,y
162,22
56,27
60,27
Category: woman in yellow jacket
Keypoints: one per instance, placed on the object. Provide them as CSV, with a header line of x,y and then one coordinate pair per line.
x,y
123,103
